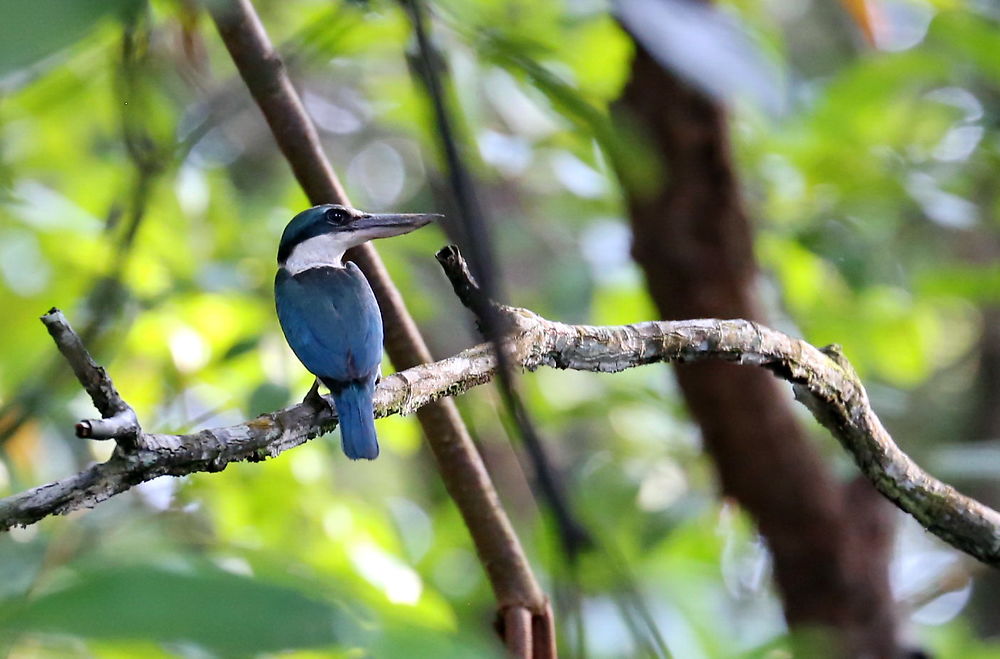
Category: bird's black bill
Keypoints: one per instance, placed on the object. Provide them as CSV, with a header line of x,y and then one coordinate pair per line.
x,y
386,225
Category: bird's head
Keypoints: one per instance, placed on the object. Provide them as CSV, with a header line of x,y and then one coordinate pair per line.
x,y
320,235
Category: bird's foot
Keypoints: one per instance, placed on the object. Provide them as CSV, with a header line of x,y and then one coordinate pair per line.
x,y
315,400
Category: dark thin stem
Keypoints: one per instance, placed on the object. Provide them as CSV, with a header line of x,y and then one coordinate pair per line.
x,y
573,536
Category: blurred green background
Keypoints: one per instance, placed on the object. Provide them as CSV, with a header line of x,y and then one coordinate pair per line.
x,y
141,192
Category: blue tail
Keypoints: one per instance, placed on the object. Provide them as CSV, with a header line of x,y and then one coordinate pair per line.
x,y
357,421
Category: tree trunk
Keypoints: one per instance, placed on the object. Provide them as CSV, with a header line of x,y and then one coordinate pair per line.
x,y
830,543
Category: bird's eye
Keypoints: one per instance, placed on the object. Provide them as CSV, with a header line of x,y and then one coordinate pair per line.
x,y
336,215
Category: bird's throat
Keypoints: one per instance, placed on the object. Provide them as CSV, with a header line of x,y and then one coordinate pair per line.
x,y
323,251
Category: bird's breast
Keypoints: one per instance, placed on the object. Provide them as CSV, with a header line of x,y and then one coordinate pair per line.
x,y
331,320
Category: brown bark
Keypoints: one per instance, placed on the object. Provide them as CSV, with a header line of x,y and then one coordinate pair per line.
x,y
986,390
985,423
986,428
694,242
459,464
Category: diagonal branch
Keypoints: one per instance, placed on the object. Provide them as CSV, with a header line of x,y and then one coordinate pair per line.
x,y
822,380
461,468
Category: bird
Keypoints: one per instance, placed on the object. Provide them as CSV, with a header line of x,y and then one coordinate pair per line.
x,y
328,312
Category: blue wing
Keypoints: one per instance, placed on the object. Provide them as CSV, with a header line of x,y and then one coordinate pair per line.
x,y
331,321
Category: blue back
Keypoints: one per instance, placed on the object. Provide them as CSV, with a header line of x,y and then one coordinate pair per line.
x,y
332,322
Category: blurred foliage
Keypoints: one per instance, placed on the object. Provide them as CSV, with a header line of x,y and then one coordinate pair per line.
x,y
141,192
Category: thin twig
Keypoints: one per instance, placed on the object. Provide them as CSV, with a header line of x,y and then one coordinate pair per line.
x,y
119,420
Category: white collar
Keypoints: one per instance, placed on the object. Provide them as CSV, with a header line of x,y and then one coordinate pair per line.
x,y
323,251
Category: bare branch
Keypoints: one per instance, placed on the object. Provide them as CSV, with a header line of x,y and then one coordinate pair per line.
x,y
828,386
119,421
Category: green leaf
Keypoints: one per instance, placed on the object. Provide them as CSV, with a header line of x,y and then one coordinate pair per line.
x,y
33,30
636,164
980,283
266,398
217,610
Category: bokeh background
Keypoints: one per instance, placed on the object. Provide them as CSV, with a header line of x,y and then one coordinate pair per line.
x,y
141,192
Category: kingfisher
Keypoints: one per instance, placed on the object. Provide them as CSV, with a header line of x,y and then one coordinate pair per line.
x,y
328,312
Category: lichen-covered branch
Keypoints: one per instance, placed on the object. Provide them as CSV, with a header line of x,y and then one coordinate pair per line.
x,y
822,379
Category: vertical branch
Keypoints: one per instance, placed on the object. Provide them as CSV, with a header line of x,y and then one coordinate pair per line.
x,y
693,240
460,466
